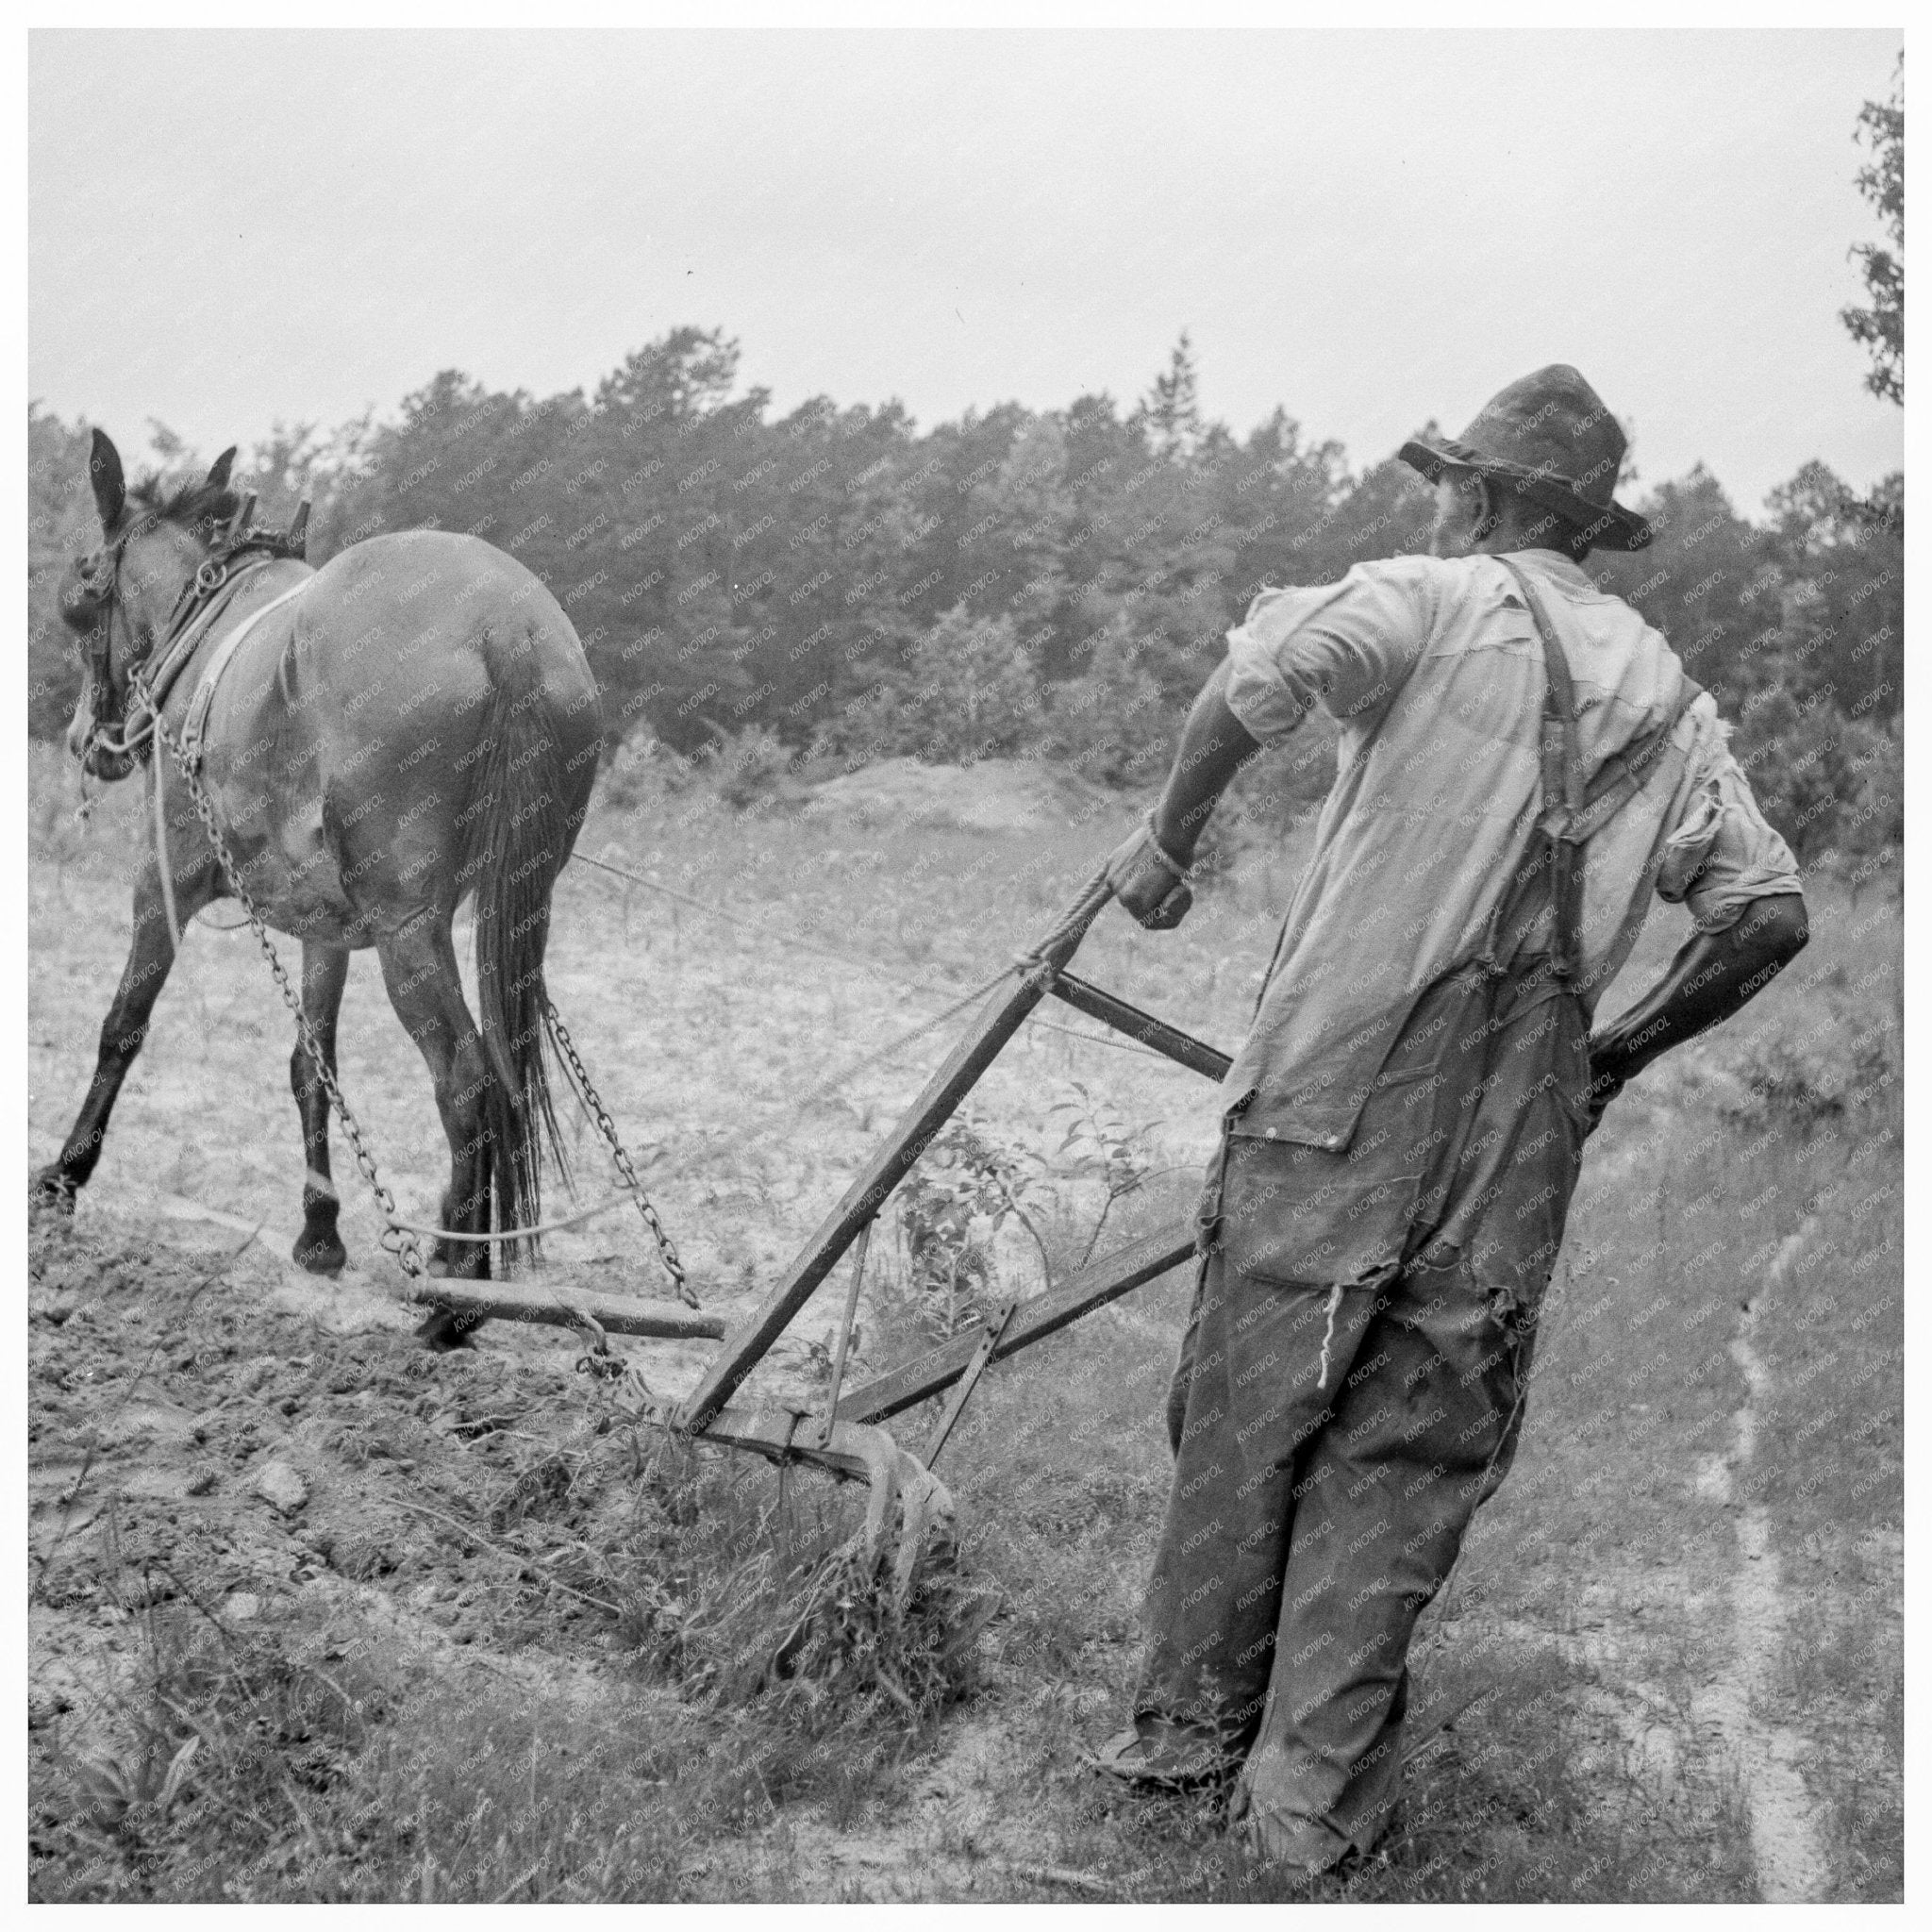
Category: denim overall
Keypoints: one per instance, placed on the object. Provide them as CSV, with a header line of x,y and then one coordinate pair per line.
x,y
1352,1382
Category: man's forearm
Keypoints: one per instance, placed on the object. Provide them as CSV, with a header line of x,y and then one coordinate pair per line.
x,y
1711,979
1213,747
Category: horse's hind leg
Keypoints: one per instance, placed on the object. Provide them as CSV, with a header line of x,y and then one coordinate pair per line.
x,y
325,972
149,958
419,967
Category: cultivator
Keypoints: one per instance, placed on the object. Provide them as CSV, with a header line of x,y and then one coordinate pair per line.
x,y
843,1435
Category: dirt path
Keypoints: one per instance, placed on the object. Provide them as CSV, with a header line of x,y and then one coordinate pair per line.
x,y
1785,1838
1676,1746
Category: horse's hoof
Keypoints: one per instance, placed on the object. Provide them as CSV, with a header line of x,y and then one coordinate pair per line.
x,y
51,1191
322,1254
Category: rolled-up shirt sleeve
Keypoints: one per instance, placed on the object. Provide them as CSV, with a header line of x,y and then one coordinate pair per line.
x,y
1345,646
1722,852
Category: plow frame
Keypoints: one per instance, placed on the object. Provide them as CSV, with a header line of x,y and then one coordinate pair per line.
x,y
846,1439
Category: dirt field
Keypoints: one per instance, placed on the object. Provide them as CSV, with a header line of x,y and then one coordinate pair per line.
x,y
317,1615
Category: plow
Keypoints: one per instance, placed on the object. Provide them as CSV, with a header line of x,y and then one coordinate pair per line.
x,y
909,1512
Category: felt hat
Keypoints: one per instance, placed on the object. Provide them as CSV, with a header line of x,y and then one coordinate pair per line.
x,y
1549,435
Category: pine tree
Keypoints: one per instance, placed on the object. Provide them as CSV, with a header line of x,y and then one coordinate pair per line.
x,y
1882,181
1172,410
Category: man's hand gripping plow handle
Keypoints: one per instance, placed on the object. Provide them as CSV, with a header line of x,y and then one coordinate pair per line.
x,y
1149,881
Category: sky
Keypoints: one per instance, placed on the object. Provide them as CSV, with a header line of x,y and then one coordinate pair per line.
x,y
1370,229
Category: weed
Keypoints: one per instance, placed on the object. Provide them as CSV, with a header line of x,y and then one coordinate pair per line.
x,y
1795,1088
1099,1146
965,1188
218,1738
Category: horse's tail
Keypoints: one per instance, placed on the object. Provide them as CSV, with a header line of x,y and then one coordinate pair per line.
x,y
518,843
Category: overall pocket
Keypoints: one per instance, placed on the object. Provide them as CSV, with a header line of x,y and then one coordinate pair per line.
x,y
1300,1215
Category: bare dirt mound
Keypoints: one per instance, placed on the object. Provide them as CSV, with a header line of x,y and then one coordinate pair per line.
x,y
995,795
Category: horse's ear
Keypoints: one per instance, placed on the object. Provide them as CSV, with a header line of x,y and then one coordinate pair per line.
x,y
111,486
218,476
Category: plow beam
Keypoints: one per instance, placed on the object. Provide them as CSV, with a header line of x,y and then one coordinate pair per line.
x,y
1126,1268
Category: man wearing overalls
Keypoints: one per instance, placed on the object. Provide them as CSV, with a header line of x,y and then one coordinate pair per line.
x,y
1523,761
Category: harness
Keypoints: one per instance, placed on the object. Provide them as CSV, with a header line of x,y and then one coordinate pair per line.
x,y
241,553
196,723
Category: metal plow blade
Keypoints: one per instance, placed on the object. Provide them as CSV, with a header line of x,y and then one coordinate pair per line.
x,y
905,1502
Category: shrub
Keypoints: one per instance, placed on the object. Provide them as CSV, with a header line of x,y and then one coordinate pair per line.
x,y
752,768
964,1190
1831,784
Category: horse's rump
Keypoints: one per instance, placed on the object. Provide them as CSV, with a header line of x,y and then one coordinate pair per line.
x,y
437,727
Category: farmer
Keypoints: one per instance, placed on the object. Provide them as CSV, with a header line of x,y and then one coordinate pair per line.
x,y
1523,761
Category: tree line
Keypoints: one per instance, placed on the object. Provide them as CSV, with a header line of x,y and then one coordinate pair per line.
x,y
836,584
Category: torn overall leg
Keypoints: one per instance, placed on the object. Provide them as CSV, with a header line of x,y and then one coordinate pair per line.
x,y
1353,1385
1299,1245
1423,1430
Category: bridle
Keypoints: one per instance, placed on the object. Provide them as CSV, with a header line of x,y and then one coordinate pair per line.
x,y
239,552
100,579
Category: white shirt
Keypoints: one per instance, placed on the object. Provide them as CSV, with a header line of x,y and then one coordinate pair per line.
x,y
1433,667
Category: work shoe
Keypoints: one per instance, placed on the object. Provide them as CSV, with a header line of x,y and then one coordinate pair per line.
x,y
1167,1754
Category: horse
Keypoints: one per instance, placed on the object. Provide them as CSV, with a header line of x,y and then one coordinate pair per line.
x,y
410,726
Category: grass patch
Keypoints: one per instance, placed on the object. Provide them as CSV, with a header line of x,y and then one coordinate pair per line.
x,y
565,1633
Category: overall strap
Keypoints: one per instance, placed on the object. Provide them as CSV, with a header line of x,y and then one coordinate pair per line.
x,y
1563,782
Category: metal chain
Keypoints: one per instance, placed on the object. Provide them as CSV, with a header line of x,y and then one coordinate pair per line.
x,y
667,1250
399,1241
